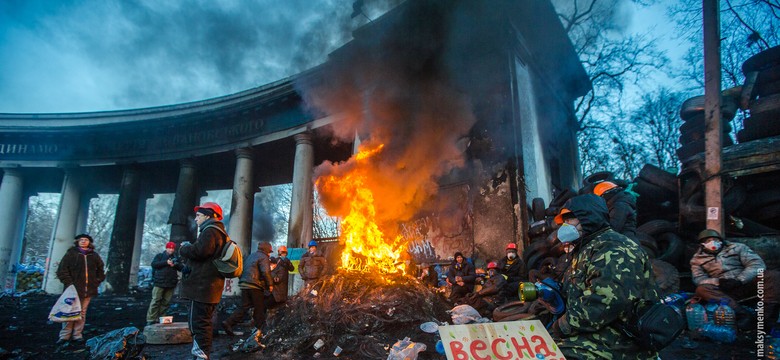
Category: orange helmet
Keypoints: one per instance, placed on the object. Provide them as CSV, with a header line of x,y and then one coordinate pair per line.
x,y
603,187
282,249
511,246
559,217
211,206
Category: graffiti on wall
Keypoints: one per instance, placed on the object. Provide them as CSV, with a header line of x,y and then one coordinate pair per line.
x,y
437,235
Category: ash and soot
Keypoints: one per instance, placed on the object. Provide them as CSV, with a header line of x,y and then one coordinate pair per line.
x,y
362,313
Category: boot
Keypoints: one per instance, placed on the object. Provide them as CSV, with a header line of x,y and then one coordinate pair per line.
x,y
228,328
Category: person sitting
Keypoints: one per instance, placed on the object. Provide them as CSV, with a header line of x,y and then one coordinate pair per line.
x,y
513,268
724,270
490,296
461,277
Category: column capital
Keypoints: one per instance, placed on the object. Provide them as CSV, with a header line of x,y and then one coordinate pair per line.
x,y
245,153
12,171
303,138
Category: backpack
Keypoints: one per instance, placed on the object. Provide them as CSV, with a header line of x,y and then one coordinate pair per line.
x,y
230,262
653,326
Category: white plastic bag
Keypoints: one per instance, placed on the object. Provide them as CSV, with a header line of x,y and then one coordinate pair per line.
x,y
465,314
67,307
405,350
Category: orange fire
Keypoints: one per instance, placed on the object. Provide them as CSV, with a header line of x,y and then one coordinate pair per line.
x,y
367,247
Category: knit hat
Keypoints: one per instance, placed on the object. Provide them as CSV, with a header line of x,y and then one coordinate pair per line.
x,y
170,245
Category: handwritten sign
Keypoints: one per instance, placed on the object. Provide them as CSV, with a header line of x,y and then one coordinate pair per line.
x,y
526,339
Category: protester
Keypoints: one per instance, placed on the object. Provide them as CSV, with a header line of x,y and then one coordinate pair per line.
x,y
490,296
255,283
724,270
513,268
203,284
280,272
82,267
622,207
428,275
461,277
165,276
312,265
607,275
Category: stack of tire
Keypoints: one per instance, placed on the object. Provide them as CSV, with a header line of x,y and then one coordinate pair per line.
x,y
693,127
657,190
762,87
542,232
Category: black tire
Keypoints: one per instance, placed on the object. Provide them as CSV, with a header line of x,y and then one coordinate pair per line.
x,y
552,211
657,227
510,308
670,248
734,198
537,208
759,127
764,104
659,177
697,133
649,193
535,260
753,229
691,108
666,276
763,60
562,197
597,177
648,244
686,151
693,123
760,198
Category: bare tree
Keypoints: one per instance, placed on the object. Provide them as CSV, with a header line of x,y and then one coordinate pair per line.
x,y
658,122
41,214
101,221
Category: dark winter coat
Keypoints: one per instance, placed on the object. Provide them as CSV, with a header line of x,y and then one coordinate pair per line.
x,y
607,275
622,212
733,261
514,270
164,275
311,266
204,283
492,289
281,277
464,270
85,272
257,272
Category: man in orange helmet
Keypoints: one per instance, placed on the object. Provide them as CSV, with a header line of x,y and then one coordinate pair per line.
x,y
621,205
203,284
282,266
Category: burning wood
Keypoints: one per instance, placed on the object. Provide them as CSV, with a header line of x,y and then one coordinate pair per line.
x,y
362,313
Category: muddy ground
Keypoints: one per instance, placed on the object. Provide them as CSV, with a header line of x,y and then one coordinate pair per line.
x,y
25,332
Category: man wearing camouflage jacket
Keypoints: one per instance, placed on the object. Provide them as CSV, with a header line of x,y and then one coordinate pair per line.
x,y
608,274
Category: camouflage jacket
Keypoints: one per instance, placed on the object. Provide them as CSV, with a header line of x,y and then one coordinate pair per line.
x,y
607,275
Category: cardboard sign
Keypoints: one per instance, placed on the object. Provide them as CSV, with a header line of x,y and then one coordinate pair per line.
x,y
526,339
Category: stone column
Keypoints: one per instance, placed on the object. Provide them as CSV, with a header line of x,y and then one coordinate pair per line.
x,y
120,251
182,216
301,209
81,223
135,264
240,227
64,231
16,252
11,195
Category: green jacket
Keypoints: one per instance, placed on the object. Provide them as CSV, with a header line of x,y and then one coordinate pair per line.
x,y
607,275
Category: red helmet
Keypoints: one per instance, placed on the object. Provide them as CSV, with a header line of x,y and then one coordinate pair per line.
x,y
212,206
492,265
511,246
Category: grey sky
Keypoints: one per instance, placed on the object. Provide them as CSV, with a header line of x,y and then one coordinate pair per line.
x,y
87,55
90,55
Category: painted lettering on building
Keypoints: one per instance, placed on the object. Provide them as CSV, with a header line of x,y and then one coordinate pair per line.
x,y
31,149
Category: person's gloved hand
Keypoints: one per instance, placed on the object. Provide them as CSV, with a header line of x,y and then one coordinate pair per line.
x,y
728,284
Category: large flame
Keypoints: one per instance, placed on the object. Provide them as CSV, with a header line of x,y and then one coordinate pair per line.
x,y
366,247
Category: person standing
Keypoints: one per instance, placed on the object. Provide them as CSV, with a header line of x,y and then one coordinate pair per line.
x,y
254,283
280,272
165,276
312,265
203,283
607,275
82,267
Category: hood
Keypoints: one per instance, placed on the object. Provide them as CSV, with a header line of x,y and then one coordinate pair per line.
x,y
591,211
212,221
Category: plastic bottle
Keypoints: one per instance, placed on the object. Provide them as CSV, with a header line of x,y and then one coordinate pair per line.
x,y
710,308
724,315
696,316
677,299
720,333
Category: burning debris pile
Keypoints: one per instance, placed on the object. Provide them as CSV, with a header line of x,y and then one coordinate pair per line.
x,y
361,313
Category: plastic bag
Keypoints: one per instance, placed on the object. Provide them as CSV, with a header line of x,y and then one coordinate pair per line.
x,y
405,350
464,314
125,343
68,306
